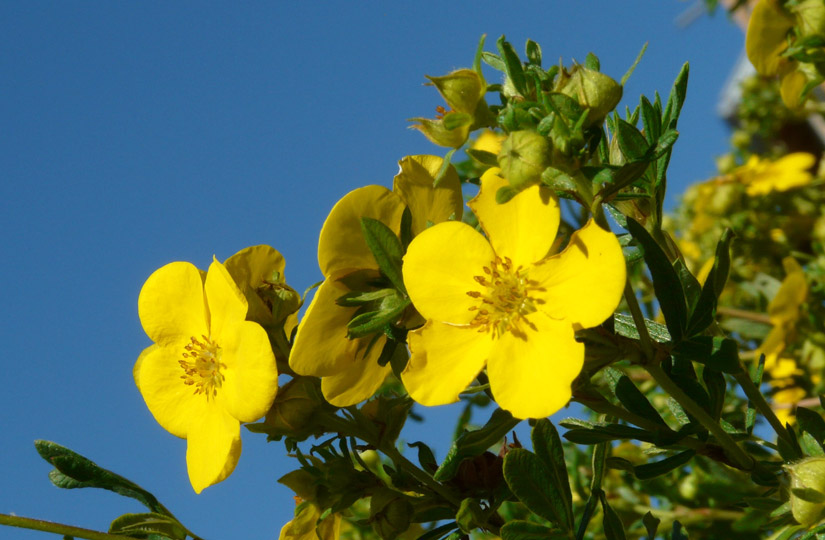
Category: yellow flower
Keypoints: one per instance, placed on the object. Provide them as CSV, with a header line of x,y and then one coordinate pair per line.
x,y
500,302
209,369
305,525
489,141
761,176
349,367
789,397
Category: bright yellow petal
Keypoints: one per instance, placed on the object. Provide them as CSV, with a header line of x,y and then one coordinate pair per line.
x,y
250,268
173,404
360,378
766,37
302,527
530,376
249,370
791,88
136,368
226,302
439,270
341,246
524,228
414,183
489,141
784,307
445,359
321,345
171,304
584,283
773,345
212,448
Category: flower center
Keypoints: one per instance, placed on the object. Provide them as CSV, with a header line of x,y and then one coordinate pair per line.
x,y
201,366
506,301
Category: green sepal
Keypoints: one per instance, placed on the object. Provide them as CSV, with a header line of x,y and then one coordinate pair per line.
x,y
373,321
533,51
547,446
526,475
473,443
360,298
518,529
75,471
666,281
512,65
455,120
658,468
632,143
592,62
147,525
386,248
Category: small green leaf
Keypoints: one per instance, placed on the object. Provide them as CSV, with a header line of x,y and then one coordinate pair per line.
x,y
690,285
608,432
716,385
677,533
631,397
651,120
811,422
512,65
624,326
527,530
666,281
375,321
547,446
526,475
494,61
533,51
705,311
676,99
658,468
141,525
619,178
651,524
386,248
639,57
425,456
756,378
613,528
592,62
483,157
810,446
632,143
473,443
721,354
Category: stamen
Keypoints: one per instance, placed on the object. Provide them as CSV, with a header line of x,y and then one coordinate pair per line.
x,y
203,370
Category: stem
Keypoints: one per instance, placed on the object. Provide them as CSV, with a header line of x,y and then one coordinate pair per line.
x,y
639,320
410,468
742,314
758,400
58,528
739,456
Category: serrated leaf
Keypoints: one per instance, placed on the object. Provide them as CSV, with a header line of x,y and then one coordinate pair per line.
x,y
148,524
473,443
386,248
632,143
624,326
512,65
526,476
75,471
547,446
664,466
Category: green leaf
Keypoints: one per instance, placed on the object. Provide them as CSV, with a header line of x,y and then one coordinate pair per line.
x,y
512,66
613,528
473,443
690,285
658,468
631,397
616,179
651,120
494,61
639,57
716,385
75,471
666,281
547,446
651,524
386,248
811,422
756,378
483,157
533,51
676,99
632,143
527,475
592,62
142,525
677,533
624,326
425,456
721,354
705,311
810,446
374,321
608,432
527,530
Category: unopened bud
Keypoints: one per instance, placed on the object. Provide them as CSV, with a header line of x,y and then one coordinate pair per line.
x,y
462,89
807,490
292,413
390,513
523,157
592,89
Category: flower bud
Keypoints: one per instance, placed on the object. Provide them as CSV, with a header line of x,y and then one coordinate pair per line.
x,y
807,490
592,89
523,157
294,408
390,513
462,89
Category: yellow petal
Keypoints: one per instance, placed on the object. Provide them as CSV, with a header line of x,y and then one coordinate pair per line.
x,y
302,527
530,376
766,37
136,368
445,359
173,404
414,183
226,302
250,268
212,448
791,88
439,270
321,345
341,246
171,304
360,377
784,307
584,283
524,228
249,370
489,141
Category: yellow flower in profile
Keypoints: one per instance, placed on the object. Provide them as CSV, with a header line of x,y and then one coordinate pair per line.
x,y
501,302
209,369
349,368
761,176
306,526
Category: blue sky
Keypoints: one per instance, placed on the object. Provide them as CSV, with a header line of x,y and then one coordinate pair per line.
x,y
136,134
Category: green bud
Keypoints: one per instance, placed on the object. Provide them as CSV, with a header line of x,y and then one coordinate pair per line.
x,y
293,412
523,157
807,490
592,89
390,513
469,515
438,132
462,89
810,17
